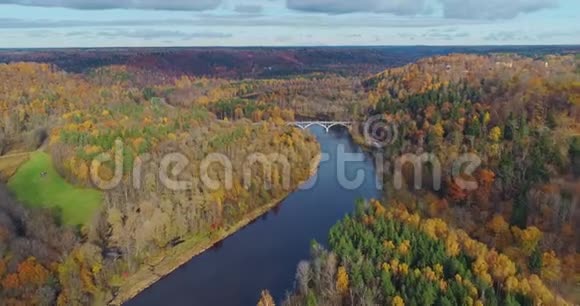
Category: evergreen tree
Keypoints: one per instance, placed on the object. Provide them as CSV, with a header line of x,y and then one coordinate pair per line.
x,y
511,300
551,120
520,212
535,262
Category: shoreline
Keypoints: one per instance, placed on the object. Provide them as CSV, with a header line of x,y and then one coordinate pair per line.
x,y
181,254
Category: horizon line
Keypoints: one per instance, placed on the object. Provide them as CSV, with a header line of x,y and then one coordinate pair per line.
x,y
577,45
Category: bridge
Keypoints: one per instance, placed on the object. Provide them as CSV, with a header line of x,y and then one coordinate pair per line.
x,y
327,125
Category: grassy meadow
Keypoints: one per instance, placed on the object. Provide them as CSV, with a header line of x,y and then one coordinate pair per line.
x,y
76,205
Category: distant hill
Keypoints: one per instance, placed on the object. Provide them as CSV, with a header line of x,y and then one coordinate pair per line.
x,y
255,62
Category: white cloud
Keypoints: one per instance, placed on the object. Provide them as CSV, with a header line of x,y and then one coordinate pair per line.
x,y
397,7
456,9
249,9
242,20
493,9
182,5
149,34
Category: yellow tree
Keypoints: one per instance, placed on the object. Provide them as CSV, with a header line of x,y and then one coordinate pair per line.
x,y
528,239
501,266
438,130
551,267
342,281
266,299
480,269
288,115
451,245
500,229
486,119
404,247
398,301
238,113
512,284
495,134
497,224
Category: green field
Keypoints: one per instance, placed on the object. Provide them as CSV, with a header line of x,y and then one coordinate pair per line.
x,y
77,205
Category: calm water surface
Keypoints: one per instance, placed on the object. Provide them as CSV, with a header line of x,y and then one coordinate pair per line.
x,y
264,255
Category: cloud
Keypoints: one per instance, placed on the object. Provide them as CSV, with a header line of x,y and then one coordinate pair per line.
x,y
13,23
517,36
145,34
507,36
181,5
493,9
445,34
78,33
298,21
150,34
558,34
248,9
453,9
397,7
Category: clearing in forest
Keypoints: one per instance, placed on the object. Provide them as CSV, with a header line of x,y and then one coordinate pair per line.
x,y
38,184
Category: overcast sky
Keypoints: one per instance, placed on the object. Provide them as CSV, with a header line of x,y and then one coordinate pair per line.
x,y
101,23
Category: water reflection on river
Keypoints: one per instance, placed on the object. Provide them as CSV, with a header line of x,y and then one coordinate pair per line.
x,y
264,255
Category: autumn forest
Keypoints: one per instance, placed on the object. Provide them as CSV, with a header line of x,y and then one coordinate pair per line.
x,y
510,240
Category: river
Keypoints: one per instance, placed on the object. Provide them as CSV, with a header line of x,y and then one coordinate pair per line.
x,y
264,255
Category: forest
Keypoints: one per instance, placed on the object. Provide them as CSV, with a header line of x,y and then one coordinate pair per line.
x,y
384,255
258,62
511,241
520,117
72,119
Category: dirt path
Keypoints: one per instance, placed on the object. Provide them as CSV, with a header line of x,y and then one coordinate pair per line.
x,y
14,155
10,163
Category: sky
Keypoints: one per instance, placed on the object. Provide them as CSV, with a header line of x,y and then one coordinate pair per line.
x,y
119,23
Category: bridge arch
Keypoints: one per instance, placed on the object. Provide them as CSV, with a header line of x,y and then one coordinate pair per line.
x,y
327,125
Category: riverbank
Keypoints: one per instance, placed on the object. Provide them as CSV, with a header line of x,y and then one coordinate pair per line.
x,y
360,140
193,246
